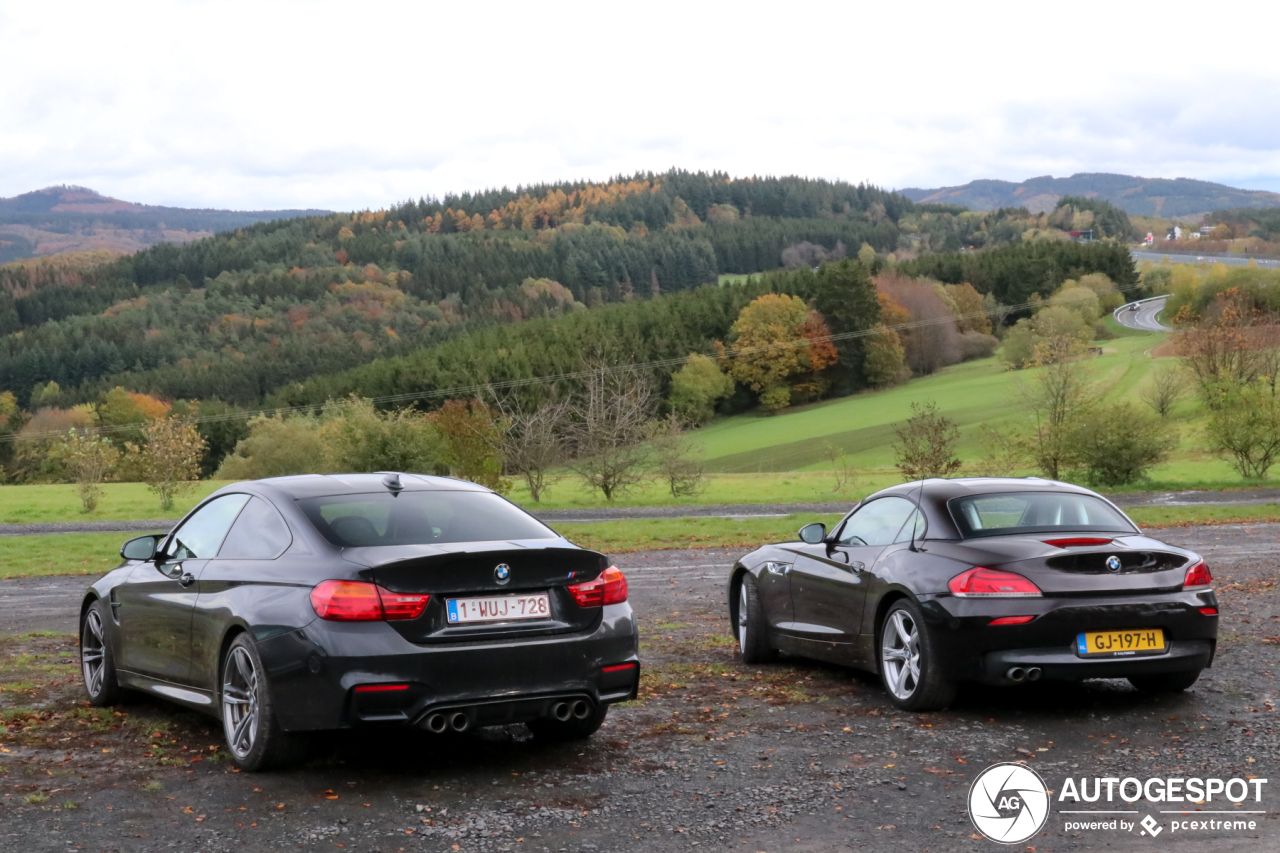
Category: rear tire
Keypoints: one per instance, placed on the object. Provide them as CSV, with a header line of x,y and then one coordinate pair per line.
x,y
910,664
753,632
97,661
572,728
1165,682
253,733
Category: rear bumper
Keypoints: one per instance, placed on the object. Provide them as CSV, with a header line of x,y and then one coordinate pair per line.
x,y
315,671
1056,665
975,650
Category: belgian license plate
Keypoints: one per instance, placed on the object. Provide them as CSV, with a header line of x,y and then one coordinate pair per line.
x,y
1120,643
498,608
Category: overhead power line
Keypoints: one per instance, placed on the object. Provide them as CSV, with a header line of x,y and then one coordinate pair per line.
x,y
461,391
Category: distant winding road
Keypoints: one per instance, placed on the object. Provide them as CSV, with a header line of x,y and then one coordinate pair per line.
x,y
1146,318
1229,260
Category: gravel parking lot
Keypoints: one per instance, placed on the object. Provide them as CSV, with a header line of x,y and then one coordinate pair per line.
x,y
714,755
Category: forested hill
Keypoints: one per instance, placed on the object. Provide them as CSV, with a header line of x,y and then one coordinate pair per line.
x,y
62,219
246,312
1134,195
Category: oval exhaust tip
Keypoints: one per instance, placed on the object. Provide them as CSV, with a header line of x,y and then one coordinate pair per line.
x,y
561,711
1033,674
436,723
460,721
581,709
1016,674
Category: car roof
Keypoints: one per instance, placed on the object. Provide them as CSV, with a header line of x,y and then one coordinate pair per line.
x,y
939,490
301,486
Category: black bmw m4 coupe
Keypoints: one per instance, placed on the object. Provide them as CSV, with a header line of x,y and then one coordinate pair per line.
x,y
998,581
299,604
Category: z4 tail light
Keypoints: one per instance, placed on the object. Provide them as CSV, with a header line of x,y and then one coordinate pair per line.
x,y
1197,576
357,601
981,582
609,588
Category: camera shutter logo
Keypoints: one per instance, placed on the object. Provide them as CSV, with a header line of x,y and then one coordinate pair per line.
x,y
1008,803
502,573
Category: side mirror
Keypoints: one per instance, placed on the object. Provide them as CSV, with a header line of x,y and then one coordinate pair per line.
x,y
814,533
141,548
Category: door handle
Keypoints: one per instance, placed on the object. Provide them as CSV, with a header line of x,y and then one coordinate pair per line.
x,y
187,580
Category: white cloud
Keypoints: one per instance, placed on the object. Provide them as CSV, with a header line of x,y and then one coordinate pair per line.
x,y
342,105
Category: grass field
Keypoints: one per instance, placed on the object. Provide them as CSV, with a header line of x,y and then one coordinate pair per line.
x,y
95,553
972,394
120,502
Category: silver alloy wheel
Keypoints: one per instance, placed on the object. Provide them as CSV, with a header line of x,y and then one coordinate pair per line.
x,y
900,654
240,702
742,615
93,660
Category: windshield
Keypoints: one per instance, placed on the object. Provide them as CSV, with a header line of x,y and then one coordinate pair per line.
x,y
1035,512
420,518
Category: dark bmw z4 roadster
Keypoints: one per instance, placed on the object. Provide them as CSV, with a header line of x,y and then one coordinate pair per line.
x,y
997,581
299,604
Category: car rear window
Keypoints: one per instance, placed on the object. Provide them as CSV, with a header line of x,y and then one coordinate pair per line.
x,y
420,518
1035,512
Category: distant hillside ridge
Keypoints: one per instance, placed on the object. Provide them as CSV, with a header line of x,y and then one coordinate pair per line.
x,y
1134,195
62,219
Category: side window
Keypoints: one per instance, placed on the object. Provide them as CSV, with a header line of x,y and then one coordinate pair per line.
x,y
202,534
913,529
258,534
877,523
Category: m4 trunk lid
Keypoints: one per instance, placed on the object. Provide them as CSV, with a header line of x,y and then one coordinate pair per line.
x,y
484,570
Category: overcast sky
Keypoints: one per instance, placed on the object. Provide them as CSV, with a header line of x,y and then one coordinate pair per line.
x,y
348,105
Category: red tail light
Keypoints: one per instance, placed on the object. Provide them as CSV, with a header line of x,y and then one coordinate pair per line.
x,y
1197,575
399,605
609,588
1208,611
981,582
356,601
1077,542
381,688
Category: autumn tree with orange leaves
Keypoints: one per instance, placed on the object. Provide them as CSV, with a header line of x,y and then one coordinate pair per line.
x,y
778,347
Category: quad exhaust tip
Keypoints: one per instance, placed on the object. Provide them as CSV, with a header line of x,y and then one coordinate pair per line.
x,y
459,721
561,711
436,723
581,709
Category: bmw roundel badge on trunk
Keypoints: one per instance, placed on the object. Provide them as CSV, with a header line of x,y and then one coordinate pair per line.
x,y
1113,563
502,573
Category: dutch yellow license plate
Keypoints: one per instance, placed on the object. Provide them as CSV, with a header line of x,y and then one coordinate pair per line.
x,y
1120,643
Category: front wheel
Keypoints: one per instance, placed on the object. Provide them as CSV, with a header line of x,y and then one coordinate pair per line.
x,y
1165,682
753,635
909,664
97,663
248,714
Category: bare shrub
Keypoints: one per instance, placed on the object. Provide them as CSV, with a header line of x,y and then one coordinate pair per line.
x,y
843,472
609,429
1164,392
675,457
927,444
533,442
